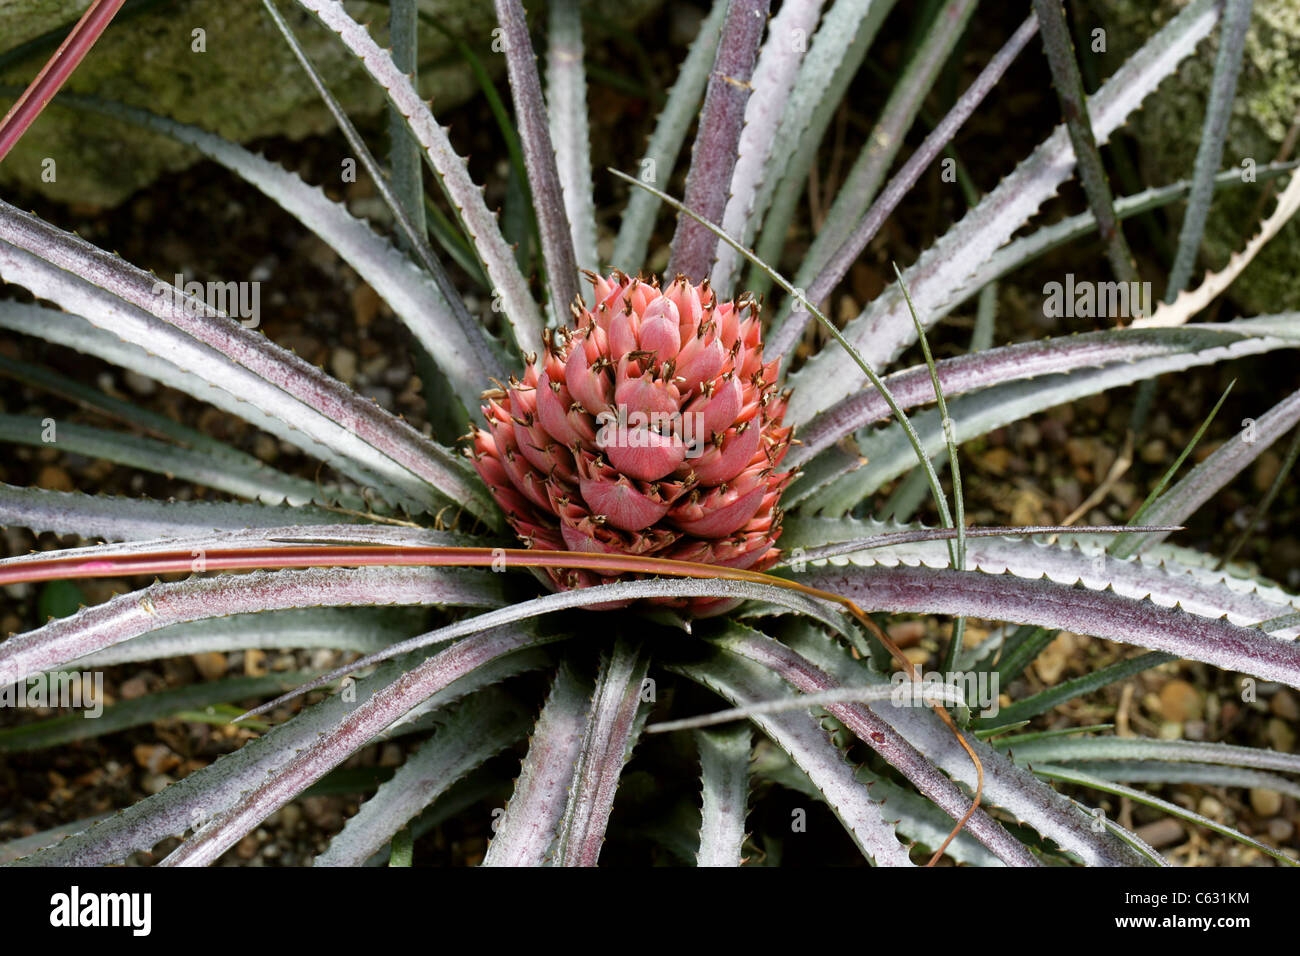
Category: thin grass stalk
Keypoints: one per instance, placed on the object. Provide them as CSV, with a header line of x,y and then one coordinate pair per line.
x,y
1293,451
1074,106
1227,67
956,548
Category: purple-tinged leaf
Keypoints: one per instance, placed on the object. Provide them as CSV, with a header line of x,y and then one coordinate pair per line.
x,y
1011,788
328,750
999,366
582,597
457,342
159,605
190,802
877,734
917,818
872,164
666,141
838,50
518,307
539,158
823,530
740,682
890,451
406,173
201,369
526,831
618,712
783,338
713,157
351,424
427,715
1047,604
837,695
135,519
724,783
774,78
478,728
1082,559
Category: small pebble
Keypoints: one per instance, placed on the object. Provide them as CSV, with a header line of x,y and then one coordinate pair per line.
x,y
1155,452
1180,701
1284,705
140,384
133,687
1281,736
155,758
155,783
211,665
266,448
1280,829
254,663
1266,803
54,478
1161,833
344,365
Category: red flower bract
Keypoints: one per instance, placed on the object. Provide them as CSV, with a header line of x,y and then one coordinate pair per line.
x,y
652,427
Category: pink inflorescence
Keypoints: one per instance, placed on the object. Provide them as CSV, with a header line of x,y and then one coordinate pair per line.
x,y
652,427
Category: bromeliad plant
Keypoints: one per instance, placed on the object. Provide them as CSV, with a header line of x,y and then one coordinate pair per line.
x,y
639,444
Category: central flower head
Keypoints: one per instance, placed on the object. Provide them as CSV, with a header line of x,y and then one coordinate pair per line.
x,y
652,427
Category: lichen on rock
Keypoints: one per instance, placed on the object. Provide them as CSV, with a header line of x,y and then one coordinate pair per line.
x,y
1267,105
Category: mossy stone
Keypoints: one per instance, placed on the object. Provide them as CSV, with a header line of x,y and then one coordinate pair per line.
x,y
1267,104
243,83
